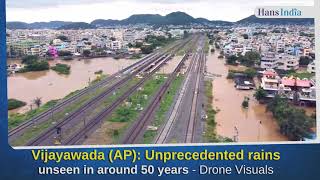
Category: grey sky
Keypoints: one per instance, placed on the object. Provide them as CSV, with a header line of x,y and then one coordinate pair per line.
x,y
88,10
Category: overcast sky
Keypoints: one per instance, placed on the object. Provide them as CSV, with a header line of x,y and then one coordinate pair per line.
x,y
88,10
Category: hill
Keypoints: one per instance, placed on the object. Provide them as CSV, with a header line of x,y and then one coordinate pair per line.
x,y
78,25
175,18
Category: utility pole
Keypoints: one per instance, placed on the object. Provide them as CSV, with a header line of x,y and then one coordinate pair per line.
x,y
236,136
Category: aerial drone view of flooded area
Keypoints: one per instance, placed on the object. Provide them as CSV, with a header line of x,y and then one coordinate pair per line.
x,y
168,78
272,99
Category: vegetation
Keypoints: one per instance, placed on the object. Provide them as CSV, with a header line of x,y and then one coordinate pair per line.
x,y
232,60
98,72
136,56
164,107
29,59
14,104
86,53
305,60
67,58
306,34
16,119
260,94
34,64
249,59
250,73
63,38
301,75
127,113
37,101
293,122
245,102
260,33
65,53
146,49
245,36
153,42
77,25
62,68
230,75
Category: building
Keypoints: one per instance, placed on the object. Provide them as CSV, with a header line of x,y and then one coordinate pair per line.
x,y
290,87
116,45
268,61
312,67
282,61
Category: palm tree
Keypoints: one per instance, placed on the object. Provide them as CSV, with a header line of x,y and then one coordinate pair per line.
x,y
37,101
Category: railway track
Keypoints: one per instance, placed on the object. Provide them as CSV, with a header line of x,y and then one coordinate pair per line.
x,y
101,116
79,112
162,136
47,114
195,69
146,116
137,129
190,133
17,131
46,137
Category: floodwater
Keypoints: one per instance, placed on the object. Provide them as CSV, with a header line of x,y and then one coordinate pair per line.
x,y
49,85
247,125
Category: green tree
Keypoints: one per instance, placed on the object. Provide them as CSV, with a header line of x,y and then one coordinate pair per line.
x,y
146,49
293,122
65,53
14,104
250,72
86,53
232,60
260,94
250,58
245,36
37,66
37,101
245,102
29,59
62,38
304,60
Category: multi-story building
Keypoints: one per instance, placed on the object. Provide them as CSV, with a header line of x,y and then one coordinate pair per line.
x,y
282,61
312,67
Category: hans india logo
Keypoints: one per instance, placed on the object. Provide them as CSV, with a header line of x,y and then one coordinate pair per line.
x,y
281,12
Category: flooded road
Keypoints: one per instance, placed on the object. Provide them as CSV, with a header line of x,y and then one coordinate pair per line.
x,y
248,125
49,85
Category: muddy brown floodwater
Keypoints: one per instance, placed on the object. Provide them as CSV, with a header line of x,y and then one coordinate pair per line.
x,y
253,124
49,85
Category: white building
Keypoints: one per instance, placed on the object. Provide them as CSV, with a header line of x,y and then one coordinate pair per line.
x,y
116,45
312,67
282,61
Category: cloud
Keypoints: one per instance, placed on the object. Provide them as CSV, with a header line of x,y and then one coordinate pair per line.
x,y
53,3
88,10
